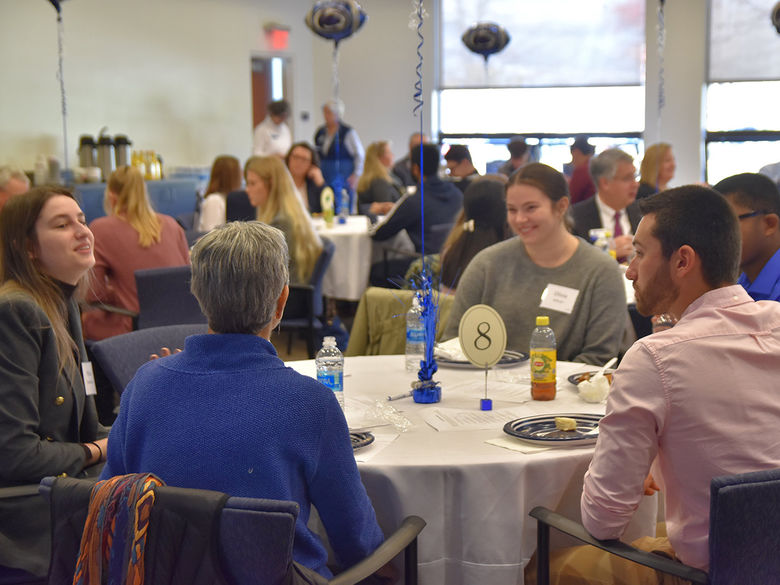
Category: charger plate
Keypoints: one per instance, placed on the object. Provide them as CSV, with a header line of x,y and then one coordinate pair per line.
x,y
360,440
540,430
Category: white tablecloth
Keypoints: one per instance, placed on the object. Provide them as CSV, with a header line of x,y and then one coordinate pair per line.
x,y
347,275
474,496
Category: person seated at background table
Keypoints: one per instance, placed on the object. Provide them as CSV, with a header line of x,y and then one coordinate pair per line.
x,y
403,166
442,203
481,224
48,422
518,156
613,206
755,199
131,237
12,182
304,166
377,188
227,415
581,185
546,270
225,178
460,167
691,403
272,193
657,169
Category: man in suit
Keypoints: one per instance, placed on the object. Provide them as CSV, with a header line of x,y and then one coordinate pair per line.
x,y
613,207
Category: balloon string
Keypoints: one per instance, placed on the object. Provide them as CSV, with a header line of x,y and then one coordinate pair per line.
x,y
61,77
337,182
661,73
418,111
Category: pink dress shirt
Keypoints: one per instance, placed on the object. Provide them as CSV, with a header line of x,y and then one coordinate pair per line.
x,y
696,401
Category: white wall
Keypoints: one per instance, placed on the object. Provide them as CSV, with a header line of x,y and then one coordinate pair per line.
x,y
174,75
377,73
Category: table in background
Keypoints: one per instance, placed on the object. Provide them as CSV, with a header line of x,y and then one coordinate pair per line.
x,y
347,275
474,496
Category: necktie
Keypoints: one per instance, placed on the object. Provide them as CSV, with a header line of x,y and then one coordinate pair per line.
x,y
618,231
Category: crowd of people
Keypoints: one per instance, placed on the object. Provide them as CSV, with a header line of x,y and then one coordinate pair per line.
x,y
710,257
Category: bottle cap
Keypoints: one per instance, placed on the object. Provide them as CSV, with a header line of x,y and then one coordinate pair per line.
x,y
542,321
329,341
415,302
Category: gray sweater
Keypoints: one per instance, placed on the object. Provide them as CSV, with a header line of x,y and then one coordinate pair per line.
x,y
504,277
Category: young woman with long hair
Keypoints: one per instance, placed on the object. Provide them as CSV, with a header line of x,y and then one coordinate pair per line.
x,y
131,237
377,189
546,270
48,422
304,165
271,191
225,177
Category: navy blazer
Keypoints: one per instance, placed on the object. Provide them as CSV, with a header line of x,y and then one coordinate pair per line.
x,y
586,217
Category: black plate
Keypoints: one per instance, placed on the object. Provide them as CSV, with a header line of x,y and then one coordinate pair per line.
x,y
360,440
540,430
509,359
574,378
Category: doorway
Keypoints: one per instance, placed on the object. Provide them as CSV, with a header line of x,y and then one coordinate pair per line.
x,y
270,77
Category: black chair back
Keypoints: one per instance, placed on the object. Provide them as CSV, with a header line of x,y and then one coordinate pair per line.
x,y
164,297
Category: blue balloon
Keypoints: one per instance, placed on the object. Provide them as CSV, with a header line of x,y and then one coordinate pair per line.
x,y
486,38
335,19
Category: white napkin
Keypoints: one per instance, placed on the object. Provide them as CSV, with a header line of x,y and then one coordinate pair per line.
x,y
381,440
450,350
516,445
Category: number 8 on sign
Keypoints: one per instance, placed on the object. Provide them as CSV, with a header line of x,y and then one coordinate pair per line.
x,y
482,336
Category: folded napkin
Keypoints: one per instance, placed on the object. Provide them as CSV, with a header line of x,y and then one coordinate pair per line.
x,y
450,350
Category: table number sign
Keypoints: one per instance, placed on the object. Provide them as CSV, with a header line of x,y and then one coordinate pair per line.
x,y
482,336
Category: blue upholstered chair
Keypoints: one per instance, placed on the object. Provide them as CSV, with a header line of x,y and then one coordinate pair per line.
x,y
744,538
119,357
164,297
254,539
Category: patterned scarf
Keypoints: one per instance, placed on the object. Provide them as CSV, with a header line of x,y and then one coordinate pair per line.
x,y
115,531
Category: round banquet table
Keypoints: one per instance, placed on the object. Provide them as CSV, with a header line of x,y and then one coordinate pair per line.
x,y
347,275
474,496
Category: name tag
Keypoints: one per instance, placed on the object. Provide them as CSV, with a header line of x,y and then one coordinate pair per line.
x,y
559,298
89,378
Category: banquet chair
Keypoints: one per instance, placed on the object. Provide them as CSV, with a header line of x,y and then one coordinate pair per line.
x,y
253,541
379,327
120,356
743,540
305,307
164,297
8,575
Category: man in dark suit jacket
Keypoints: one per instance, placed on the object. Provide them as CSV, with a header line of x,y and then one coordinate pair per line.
x,y
613,207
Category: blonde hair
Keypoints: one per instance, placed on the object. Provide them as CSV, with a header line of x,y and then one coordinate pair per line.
x,y
283,198
651,163
132,204
373,167
21,273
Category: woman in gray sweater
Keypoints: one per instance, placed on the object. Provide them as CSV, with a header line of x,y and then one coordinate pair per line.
x,y
546,270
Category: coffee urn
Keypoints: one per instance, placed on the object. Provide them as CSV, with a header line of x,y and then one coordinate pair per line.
x,y
87,151
122,150
105,156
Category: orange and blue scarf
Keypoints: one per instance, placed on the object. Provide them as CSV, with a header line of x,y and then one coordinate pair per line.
x,y
116,530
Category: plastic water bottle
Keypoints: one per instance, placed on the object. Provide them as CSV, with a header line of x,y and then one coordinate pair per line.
x,y
543,359
330,368
415,336
344,207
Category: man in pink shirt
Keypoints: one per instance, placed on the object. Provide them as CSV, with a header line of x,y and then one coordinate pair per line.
x,y
690,403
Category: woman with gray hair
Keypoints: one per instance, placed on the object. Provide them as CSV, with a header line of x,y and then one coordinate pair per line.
x,y
227,415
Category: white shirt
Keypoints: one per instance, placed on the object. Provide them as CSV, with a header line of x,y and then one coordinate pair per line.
x,y
607,215
212,212
272,139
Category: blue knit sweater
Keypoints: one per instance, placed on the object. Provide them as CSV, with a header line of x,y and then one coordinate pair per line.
x,y
227,415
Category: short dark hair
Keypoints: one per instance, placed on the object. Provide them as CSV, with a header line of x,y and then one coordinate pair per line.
x,y
279,108
702,219
430,158
581,143
458,152
517,147
752,190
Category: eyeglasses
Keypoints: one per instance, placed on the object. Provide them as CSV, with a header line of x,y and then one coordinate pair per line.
x,y
301,158
754,213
